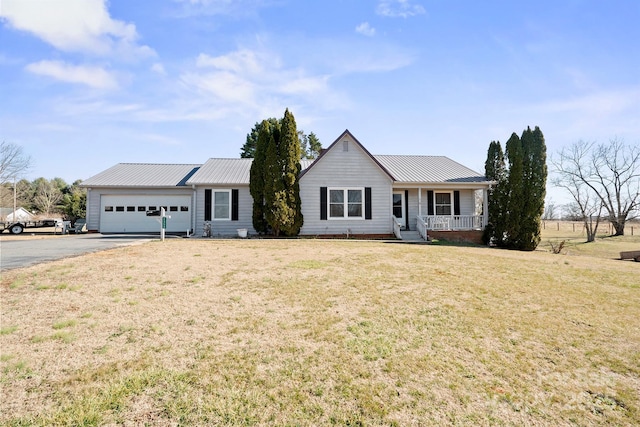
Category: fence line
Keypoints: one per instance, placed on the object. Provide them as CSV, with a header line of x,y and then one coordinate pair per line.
x,y
608,227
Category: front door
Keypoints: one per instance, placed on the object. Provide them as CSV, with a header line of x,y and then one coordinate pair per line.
x,y
398,208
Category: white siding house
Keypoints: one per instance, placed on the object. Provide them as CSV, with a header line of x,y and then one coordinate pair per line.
x,y
345,191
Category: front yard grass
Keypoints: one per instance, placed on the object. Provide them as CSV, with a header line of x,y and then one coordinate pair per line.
x,y
315,332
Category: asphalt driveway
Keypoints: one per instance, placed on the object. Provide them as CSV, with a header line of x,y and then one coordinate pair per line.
x,y
23,253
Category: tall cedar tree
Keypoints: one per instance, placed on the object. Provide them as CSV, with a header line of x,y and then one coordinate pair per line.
x,y
534,177
273,185
495,170
282,190
516,203
290,155
514,191
257,173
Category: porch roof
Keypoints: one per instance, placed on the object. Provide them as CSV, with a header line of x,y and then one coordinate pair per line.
x,y
429,169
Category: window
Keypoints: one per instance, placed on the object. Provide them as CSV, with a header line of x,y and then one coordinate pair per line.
x,y
443,203
222,204
142,209
131,208
184,208
108,208
173,209
119,208
153,208
398,203
346,203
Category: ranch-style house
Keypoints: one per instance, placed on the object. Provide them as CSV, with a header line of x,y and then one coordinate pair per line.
x,y
346,191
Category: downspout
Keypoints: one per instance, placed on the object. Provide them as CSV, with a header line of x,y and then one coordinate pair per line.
x,y
193,209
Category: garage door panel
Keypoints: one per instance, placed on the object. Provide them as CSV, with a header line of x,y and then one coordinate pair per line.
x,y
128,213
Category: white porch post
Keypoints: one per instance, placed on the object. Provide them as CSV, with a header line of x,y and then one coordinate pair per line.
x,y
485,207
419,201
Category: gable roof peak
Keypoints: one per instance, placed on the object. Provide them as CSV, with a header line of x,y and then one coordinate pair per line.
x,y
358,143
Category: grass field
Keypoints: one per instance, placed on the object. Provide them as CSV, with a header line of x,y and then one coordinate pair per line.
x,y
324,332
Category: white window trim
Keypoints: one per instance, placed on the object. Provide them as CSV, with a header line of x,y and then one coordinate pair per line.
x,y
346,216
213,204
402,205
435,205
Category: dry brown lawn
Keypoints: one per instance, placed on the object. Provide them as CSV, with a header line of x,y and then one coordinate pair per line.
x,y
318,332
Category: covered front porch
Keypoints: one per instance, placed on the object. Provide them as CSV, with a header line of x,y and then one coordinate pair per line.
x,y
439,209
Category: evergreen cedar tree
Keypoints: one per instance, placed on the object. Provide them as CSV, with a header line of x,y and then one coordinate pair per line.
x,y
266,130
516,202
495,170
274,178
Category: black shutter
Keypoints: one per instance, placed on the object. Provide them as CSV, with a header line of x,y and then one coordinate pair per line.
x,y
207,205
234,205
406,209
430,210
323,203
456,202
367,203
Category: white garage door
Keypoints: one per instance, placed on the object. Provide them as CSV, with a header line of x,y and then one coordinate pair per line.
x,y
128,213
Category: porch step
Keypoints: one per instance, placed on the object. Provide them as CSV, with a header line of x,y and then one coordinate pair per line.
x,y
411,236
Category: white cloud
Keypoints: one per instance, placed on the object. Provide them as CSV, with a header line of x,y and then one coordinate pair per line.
x,y
366,29
222,7
305,85
158,68
75,26
250,78
399,8
224,86
243,60
94,77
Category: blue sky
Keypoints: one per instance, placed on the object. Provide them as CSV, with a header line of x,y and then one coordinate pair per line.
x,y
88,84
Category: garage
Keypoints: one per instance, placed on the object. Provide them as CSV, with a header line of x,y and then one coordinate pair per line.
x,y
128,213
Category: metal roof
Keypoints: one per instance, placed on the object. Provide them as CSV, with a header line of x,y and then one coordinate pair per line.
x,y
142,175
427,169
229,171
223,171
401,168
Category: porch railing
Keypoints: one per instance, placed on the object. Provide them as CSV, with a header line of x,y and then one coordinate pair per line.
x,y
422,227
451,222
396,227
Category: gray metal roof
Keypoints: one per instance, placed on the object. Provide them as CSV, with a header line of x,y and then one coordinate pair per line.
x,y
228,171
142,175
427,169
402,168
223,171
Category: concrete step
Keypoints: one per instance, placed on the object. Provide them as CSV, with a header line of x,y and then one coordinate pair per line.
x,y
411,236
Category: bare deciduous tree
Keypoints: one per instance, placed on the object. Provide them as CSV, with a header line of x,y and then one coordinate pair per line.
x,y
601,176
13,162
550,209
47,197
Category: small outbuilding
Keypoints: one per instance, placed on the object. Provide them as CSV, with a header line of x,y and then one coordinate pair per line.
x,y
20,214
